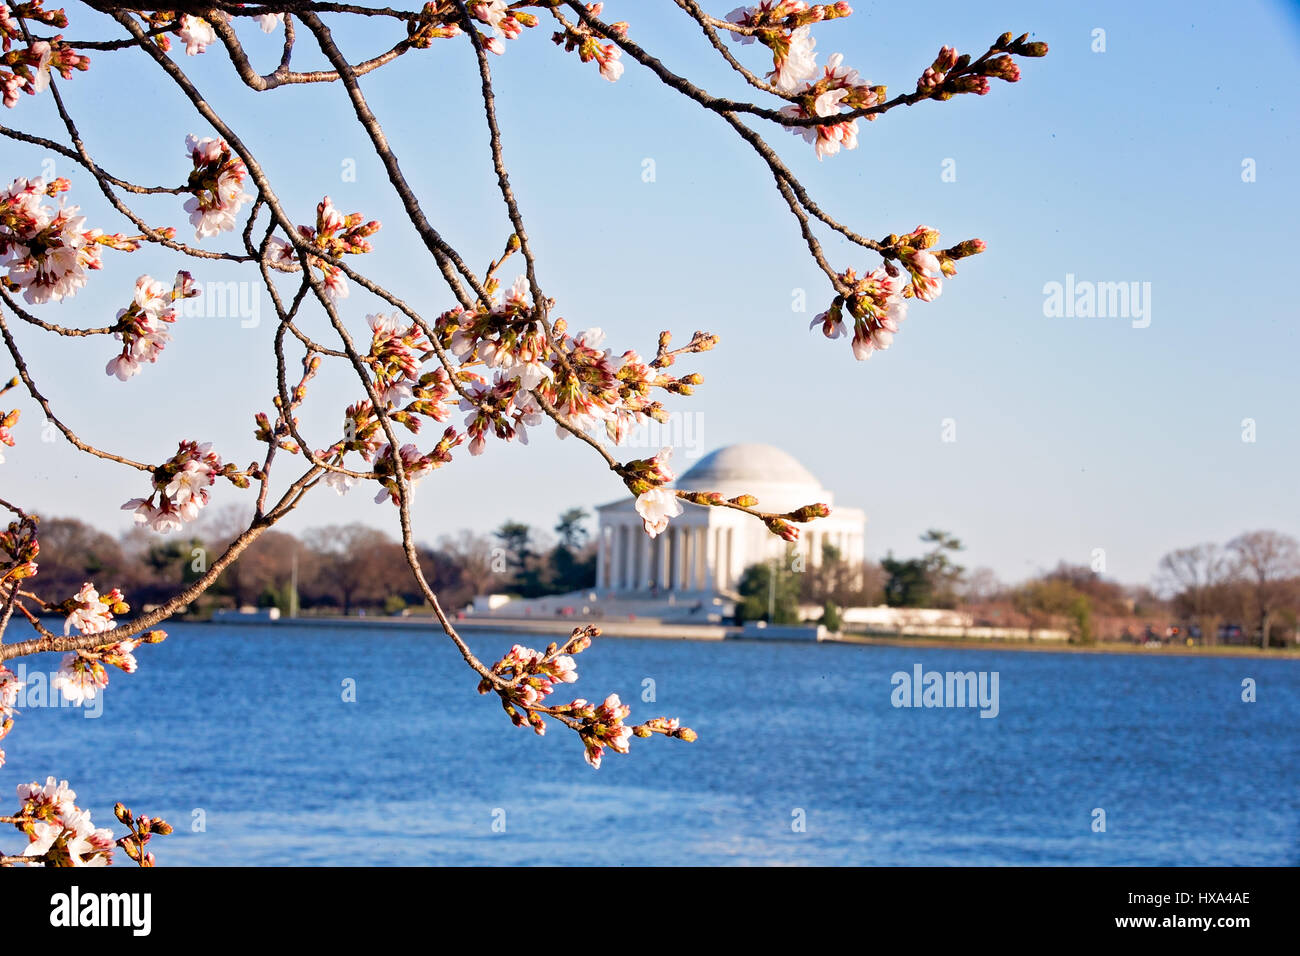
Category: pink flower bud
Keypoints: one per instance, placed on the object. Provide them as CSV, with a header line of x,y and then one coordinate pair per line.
x,y
946,60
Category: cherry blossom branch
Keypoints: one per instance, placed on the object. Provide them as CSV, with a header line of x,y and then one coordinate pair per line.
x,y
42,401
106,186
723,105
541,370
76,157
282,75
235,8
256,173
707,24
448,260
53,642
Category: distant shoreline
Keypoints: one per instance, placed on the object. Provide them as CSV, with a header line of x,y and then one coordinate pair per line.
x,y
1061,647
649,630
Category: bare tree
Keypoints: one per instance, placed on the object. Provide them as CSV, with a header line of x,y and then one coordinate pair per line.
x,y
346,558
981,585
1195,578
1267,563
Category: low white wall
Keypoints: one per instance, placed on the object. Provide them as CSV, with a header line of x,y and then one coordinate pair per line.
x,y
783,632
935,621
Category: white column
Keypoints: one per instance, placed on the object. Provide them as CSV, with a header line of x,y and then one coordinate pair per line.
x,y
729,575
611,574
629,558
629,579
697,556
642,560
623,558
706,556
687,558
711,573
702,563
600,557
669,559
620,552
680,559
719,553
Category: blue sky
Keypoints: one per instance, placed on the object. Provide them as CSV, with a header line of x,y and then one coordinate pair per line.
x,y
1071,433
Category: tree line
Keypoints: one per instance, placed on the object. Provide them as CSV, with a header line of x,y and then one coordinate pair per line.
x,y
340,569
1244,591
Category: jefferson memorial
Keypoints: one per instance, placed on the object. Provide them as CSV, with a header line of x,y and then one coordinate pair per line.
x,y
706,550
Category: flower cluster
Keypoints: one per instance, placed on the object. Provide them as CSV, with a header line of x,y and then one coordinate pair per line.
x,y
27,70
142,830
505,336
504,408
59,833
587,385
506,23
429,395
217,185
47,251
951,74
80,678
19,548
92,613
197,34
7,421
877,302
937,72
334,234
838,88
601,726
589,47
415,464
922,265
10,687
397,350
181,487
524,678
83,674
654,503
531,676
142,326
784,27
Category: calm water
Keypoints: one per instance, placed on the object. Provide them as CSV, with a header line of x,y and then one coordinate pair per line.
x,y
247,724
